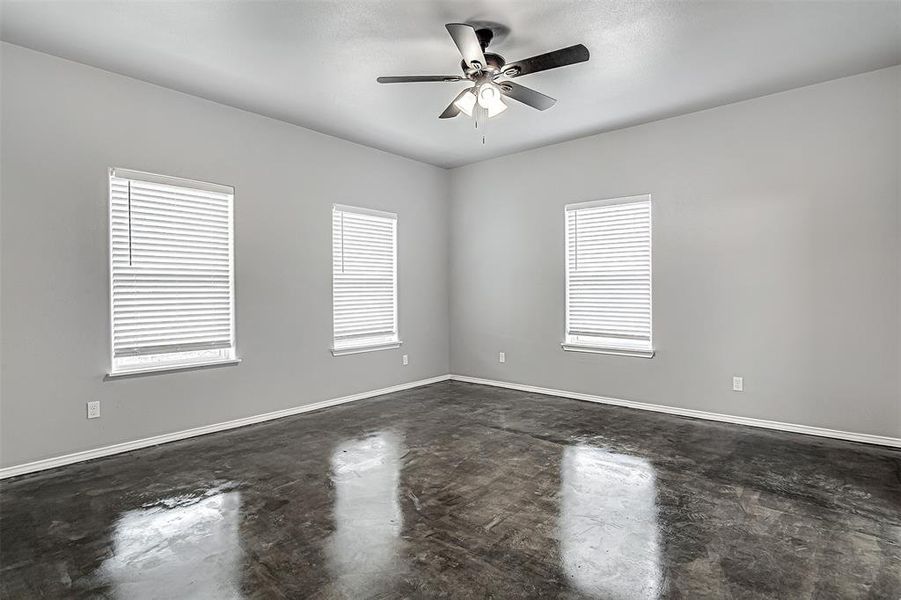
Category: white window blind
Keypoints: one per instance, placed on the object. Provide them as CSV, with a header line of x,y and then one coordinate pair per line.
x,y
364,281
608,276
171,271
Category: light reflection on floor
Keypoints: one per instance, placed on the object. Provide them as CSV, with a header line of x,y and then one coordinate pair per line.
x,y
363,552
184,547
493,506
609,536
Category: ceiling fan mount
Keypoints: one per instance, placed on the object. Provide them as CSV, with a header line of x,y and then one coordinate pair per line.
x,y
484,35
490,73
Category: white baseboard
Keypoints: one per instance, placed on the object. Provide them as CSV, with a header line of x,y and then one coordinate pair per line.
x,y
50,463
59,461
698,414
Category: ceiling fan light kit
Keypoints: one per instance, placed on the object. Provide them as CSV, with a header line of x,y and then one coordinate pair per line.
x,y
465,102
489,75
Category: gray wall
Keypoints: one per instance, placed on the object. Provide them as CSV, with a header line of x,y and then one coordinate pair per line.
x,y
776,257
63,126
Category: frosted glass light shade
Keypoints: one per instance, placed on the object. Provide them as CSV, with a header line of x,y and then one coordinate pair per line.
x,y
466,102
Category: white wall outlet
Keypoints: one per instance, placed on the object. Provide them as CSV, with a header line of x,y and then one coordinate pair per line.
x,y
502,357
94,409
738,384
405,359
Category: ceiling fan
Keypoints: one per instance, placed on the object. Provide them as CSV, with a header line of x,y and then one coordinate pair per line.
x,y
490,75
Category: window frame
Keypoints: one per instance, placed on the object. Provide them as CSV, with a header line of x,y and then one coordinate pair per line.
x,y
227,356
389,344
609,346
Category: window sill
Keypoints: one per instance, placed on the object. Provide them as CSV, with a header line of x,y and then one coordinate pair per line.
x,y
607,350
171,368
361,349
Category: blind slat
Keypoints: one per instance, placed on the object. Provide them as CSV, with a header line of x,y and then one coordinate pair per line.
x,y
364,288
171,274
608,272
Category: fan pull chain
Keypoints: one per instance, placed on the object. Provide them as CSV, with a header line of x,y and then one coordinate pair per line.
x,y
480,115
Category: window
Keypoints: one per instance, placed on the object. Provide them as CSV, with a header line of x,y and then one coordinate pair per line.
x,y
364,280
171,272
608,276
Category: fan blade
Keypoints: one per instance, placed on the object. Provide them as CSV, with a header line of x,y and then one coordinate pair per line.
x,y
467,42
452,111
418,78
527,96
551,60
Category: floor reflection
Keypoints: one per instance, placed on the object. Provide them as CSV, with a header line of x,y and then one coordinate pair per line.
x,y
609,536
182,547
363,552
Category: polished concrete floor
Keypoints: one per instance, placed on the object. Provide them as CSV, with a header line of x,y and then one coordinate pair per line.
x,y
462,491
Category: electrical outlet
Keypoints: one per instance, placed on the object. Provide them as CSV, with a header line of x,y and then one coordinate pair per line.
x,y
94,409
502,357
405,359
738,384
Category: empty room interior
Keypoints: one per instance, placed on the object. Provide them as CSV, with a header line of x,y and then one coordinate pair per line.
x,y
450,299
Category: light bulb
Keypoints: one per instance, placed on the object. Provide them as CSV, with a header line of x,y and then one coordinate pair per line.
x,y
490,99
488,94
466,102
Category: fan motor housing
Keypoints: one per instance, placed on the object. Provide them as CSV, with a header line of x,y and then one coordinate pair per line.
x,y
495,64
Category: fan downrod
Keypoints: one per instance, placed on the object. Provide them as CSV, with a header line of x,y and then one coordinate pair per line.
x,y
485,36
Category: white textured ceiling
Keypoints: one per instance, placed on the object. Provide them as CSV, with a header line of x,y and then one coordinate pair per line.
x,y
315,63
